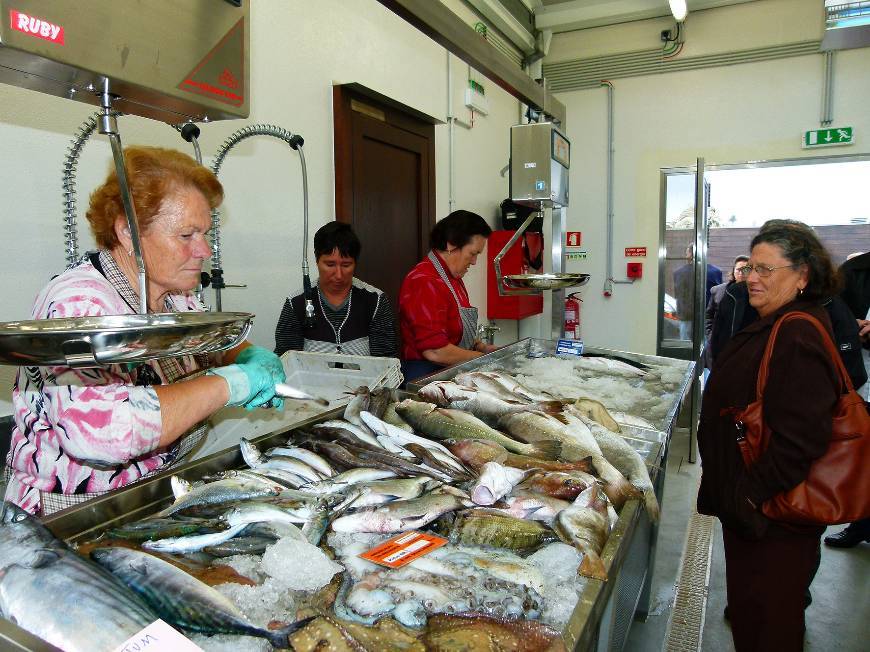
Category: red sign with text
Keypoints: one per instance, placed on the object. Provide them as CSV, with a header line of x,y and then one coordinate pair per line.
x,y
573,239
635,251
36,27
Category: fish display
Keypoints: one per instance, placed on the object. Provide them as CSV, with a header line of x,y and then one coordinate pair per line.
x,y
611,365
497,468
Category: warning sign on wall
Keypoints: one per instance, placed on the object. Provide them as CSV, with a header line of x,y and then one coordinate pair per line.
x,y
635,251
573,239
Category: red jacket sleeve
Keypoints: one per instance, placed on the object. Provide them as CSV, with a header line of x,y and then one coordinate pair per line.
x,y
426,313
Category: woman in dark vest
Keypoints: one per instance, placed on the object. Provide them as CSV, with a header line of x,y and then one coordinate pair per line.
x,y
350,317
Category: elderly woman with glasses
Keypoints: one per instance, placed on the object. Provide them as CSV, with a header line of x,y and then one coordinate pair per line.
x,y
769,564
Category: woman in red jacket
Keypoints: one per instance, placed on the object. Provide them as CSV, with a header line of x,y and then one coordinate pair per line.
x,y
769,564
437,320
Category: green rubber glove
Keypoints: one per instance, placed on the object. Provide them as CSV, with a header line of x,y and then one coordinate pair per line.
x,y
265,358
250,385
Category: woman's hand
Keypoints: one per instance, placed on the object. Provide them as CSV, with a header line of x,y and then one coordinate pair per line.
x,y
250,384
265,358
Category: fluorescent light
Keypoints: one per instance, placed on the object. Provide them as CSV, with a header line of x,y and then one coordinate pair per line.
x,y
679,9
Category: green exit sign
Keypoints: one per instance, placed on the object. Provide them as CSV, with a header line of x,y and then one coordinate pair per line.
x,y
829,137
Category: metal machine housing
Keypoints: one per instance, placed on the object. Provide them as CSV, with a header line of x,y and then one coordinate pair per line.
x,y
540,158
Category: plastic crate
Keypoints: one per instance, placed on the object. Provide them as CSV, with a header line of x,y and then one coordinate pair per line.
x,y
327,375
332,375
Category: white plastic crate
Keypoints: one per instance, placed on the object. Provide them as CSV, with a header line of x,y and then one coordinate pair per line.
x,y
327,375
332,375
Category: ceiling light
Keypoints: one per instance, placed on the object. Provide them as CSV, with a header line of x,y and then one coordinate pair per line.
x,y
679,9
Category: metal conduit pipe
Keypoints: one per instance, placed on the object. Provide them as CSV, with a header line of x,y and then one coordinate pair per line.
x,y
70,165
828,93
608,276
296,142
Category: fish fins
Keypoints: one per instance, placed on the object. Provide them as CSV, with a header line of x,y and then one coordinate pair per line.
x,y
548,407
593,567
280,638
621,491
546,449
652,505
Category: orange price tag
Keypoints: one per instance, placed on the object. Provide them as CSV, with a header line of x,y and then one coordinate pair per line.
x,y
403,549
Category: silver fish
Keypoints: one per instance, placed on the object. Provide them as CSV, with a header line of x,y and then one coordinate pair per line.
x,y
609,365
344,481
180,486
194,542
256,460
360,432
485,406
400,436
384,491
401,515
511,386
286,391
182,600
586,526
255,512
52,591
221,491
310,458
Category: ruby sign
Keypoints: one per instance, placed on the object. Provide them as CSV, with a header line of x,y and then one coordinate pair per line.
x,y
640,252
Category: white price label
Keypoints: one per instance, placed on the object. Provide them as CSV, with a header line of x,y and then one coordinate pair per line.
x,y
158,637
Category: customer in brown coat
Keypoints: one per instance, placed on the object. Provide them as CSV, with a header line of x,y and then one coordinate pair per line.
x,y
769,564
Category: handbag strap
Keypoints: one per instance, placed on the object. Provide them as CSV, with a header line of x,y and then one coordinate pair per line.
x,y
826,339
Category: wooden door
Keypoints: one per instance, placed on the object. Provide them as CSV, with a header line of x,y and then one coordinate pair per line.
x,y
385,184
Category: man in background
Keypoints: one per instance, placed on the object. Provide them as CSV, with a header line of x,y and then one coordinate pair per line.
x,y
683,290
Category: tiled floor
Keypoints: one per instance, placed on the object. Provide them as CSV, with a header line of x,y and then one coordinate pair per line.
x,y
837,619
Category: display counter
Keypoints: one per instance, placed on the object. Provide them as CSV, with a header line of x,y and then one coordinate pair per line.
x,y
602,615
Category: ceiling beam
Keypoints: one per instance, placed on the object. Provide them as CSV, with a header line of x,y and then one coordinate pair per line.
x,y
583,14
505,22
448,30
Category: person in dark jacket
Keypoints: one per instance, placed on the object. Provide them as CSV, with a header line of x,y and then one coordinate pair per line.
x,y
855,274
716,295
769,564
684,282
350,317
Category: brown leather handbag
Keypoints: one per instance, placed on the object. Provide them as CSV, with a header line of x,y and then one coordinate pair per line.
x,y
837,489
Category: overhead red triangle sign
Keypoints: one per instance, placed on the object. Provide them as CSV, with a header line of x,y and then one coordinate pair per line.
x,y
221,73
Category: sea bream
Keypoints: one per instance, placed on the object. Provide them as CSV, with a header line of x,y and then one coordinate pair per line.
x,y
182,600
442,423
58,595
586,526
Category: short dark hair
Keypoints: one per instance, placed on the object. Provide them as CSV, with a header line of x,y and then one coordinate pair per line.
x,y
336,235
458,229
801,246
742,258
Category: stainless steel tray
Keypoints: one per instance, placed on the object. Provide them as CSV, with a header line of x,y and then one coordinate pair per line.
x,y
93,341
538,348
628,543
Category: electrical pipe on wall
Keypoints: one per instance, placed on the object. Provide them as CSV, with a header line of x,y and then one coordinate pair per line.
x,y
608,275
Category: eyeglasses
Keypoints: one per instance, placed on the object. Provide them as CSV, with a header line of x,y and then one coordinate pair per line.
x,y
762,270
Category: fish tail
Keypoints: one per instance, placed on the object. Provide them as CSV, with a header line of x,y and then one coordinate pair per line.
x,y
652,505
620,491
548,407
280,638
546,449
592,566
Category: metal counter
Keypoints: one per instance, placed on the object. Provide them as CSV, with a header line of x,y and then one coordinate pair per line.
x,y
603,612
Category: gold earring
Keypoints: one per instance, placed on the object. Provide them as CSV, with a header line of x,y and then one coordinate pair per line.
x,y
800,291
130,253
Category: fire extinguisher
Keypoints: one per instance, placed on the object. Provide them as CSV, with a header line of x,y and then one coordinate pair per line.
x,y
572,316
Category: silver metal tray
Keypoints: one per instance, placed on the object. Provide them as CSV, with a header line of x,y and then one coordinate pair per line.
x,y
544,281
111,339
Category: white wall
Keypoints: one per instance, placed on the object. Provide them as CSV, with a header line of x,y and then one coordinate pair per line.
x,y
298,51
726,115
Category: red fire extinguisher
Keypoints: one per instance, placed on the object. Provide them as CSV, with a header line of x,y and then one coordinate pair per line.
x,y
572,316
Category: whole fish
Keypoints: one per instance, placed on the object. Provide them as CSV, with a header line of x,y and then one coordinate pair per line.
x,y
486,527
304,455
392,417
221,491
344,481
278,482
628,462
501,385
162,528
442,423
55,593
359,403
361,433
402,466
241,545
495,482
558,484
595,410
444,464
392,447
611,365
380,399
631,420
485,406
477,452
401,515
402,437
286,391
531,507
336,453
385,491
193,542
256,460
586,526
257,512
577,443
342,436
182,600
